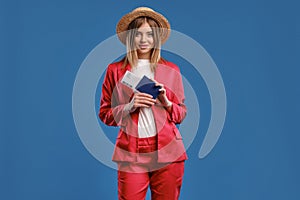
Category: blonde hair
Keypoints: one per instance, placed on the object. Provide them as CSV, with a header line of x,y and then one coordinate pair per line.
x,y
132,56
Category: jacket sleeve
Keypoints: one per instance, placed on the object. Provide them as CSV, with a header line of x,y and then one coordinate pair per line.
x,y
179,110
111,112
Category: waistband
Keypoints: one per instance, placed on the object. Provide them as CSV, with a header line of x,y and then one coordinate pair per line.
x,y
146,145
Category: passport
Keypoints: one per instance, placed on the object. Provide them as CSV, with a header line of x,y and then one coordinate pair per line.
x,y
144,84
148,86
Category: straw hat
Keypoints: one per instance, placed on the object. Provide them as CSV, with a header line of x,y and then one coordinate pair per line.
x,y
162,22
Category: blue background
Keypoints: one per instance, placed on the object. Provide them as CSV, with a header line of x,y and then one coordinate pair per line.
x,y
255,45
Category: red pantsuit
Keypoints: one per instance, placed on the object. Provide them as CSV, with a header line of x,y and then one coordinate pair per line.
x,y
165,183
157,161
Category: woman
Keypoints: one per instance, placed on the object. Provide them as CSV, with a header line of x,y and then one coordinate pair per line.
x,y
149,149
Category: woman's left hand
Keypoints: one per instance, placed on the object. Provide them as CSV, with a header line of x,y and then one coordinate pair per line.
x,y
162,97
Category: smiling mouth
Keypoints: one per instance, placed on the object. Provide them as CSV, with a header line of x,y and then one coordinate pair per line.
x,y
143,46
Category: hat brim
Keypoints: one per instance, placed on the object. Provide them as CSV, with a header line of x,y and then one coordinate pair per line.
x,y
164,25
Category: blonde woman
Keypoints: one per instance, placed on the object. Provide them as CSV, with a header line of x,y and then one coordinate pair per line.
x,y
149,150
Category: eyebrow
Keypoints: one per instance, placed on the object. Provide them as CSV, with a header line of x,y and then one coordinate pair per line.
x,y
146,32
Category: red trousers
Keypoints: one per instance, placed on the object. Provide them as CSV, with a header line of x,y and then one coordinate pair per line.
x,y
164,179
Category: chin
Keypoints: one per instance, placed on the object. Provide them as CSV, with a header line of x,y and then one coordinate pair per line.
x,y
144,51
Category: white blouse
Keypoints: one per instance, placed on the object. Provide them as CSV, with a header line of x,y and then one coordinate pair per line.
x,y
146,123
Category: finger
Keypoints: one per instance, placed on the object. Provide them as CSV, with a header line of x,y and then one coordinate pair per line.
x,y
141,104
146,101
159,84
147,98
162,90
140,94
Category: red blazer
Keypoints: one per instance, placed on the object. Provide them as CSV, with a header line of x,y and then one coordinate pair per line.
x,y
113,99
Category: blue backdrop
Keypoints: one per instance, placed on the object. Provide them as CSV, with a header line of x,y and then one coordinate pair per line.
x,y
255,44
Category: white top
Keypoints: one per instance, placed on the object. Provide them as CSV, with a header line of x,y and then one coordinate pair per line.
x,y
146,123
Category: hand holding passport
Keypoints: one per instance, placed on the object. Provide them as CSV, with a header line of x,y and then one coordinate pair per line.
x,y
144,84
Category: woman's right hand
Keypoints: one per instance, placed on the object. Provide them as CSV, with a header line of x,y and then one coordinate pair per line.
x,y
139,99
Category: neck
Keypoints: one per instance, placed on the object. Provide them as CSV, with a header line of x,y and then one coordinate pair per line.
x,y
144,56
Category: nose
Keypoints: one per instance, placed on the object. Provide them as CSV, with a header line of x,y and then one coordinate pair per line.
x,y
143,38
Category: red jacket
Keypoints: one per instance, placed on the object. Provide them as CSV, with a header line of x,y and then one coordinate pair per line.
x,y
113,99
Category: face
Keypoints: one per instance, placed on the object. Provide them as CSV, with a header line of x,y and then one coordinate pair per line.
x,y
144,41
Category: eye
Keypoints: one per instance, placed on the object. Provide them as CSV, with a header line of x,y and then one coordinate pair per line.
x,y
150,34
137,34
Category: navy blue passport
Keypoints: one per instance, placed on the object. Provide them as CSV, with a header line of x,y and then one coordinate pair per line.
x,y
148,86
